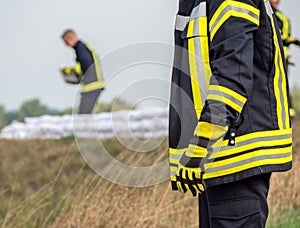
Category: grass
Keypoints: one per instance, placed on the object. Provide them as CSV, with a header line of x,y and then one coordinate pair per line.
x,y
287,219
46,183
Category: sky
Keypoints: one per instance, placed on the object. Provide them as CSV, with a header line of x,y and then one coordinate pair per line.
x,y
132,37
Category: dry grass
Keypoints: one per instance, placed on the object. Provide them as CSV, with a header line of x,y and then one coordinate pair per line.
x,y
47,184
285,187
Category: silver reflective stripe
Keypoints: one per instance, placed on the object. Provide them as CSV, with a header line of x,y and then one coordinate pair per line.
x,y
269,8
181,22
236,9
196,28
233,99
199,11
200,68
250,141
244,162
175,156
173,174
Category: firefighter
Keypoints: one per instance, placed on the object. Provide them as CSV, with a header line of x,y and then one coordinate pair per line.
x,y
87,70
229,126
285,29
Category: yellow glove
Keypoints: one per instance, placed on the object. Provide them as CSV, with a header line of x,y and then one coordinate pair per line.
x,y
67,70
189,176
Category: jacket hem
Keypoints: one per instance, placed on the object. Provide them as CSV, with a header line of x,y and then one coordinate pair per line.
x,y
247,173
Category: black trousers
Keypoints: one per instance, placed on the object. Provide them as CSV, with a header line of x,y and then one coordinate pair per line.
x,y
88,101
241,204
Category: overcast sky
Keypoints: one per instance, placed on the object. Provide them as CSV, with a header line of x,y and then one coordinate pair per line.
x,y
31,51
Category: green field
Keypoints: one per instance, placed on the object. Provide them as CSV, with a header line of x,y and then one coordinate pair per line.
x,y
46,183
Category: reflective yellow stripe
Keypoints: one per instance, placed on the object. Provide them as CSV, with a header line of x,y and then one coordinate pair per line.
x,y
280,84
205,59
276,83
190,31
250,165
251,146
245,157
176,151
218,12
261,134
196,151
202,26
225,100
174,157
227,96
193,70
285,96
205,49
174,161
229,92
229,9
96,84
173,168
252,141
97,64
92,86
209,130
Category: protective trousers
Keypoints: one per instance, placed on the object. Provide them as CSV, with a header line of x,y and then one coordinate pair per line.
x,y
235,205
88,101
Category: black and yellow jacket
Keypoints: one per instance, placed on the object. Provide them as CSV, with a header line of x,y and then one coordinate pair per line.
x,y
284,25
229,70
88,67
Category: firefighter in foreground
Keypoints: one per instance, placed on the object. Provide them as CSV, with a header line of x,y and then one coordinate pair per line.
x,y
285,29
229,111
86,71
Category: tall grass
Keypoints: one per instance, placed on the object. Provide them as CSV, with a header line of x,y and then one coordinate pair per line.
x,y
46,183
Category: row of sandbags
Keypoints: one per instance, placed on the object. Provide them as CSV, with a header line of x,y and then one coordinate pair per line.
x,y
147,123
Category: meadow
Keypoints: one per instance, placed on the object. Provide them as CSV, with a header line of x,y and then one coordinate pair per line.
x,y
47,183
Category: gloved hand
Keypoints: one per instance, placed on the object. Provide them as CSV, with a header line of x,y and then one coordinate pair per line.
x,y
296,42
189,173
189,176
67,71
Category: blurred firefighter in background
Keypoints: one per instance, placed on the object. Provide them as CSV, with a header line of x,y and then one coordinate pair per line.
x,y
287,39
87,71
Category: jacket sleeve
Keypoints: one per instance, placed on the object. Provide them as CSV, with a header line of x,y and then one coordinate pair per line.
x,y
231,25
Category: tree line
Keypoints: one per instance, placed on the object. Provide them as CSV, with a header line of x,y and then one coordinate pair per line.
x,y
34,108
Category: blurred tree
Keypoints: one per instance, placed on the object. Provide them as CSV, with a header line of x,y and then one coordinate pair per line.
x,y
32,108
67,111
295,94
3,120
116,105
11,116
